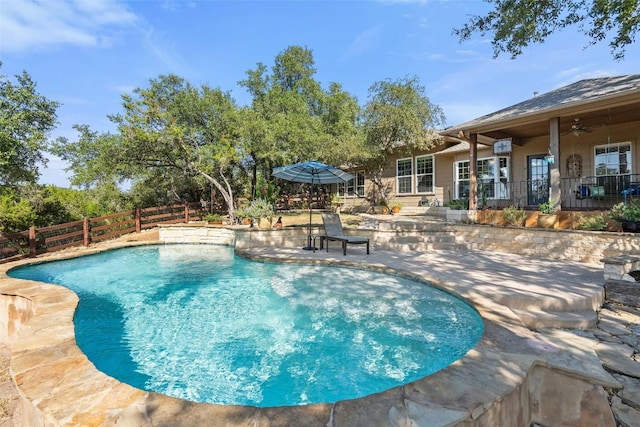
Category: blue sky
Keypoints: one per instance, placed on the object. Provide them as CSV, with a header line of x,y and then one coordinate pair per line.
x,y
86,53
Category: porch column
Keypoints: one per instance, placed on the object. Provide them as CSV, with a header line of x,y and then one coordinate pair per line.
x,y
473,171
555,194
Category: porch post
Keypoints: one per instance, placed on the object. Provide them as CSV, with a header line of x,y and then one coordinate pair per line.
x,y
473,171
554,168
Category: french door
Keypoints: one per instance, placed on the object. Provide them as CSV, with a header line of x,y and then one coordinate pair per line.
x,y
538,179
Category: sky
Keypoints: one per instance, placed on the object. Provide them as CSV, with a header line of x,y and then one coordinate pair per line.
x,y
85,54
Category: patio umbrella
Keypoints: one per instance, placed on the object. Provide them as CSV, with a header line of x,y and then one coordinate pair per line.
x,y
313,173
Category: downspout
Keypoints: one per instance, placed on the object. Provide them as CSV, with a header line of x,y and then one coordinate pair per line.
x,y
555,193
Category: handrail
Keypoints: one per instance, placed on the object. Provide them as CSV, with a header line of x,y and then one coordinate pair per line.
x,y
35,241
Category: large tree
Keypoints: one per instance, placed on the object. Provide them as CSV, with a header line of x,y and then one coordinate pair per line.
x,y
292,118
169,133
398,119
515,24
26,118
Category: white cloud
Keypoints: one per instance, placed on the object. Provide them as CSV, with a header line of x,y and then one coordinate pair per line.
x,y
37,24
364,42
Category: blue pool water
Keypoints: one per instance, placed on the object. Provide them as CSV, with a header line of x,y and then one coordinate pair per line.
x,y
198,323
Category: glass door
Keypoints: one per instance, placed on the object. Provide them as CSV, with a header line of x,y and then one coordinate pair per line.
x,y
538,178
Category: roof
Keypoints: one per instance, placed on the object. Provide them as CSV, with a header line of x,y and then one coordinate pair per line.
x,y
580,93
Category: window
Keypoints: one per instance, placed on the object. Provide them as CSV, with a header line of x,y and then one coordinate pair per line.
x,y
404,174
492,180
424,174
613,159
353,187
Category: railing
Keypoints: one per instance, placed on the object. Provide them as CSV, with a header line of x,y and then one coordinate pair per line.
x,y
585,194
29,243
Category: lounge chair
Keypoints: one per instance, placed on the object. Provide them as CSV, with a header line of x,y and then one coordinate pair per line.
x,y
334,232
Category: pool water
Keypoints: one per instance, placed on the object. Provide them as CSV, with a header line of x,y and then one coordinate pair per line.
x,y
198,323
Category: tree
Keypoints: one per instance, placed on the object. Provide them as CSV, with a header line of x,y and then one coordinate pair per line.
x,y
398,119
292,118
516,23
169,134
26,118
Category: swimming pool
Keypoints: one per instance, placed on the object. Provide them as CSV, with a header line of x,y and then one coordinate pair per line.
x,y
196,322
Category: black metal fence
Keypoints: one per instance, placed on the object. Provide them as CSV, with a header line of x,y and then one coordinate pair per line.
x,y
584,194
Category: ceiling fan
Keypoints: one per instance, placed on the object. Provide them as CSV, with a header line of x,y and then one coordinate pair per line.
x,y
577,128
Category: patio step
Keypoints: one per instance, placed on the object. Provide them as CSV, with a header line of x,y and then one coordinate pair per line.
x,y
417,246
538,319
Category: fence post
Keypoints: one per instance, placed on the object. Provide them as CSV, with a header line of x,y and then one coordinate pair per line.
x,y
32,241
85,232
138,220
186,213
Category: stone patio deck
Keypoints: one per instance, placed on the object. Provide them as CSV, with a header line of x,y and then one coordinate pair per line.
x,y
523,371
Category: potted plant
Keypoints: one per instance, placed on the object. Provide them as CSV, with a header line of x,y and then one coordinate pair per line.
x,y
547,217
213,218
384,207
627,214
395,206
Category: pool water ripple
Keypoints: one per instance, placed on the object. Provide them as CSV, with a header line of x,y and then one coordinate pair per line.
x,y
197,323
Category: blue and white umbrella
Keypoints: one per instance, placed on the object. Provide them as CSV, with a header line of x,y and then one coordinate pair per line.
x,y
314,173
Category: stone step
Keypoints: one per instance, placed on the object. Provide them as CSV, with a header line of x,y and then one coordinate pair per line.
x,y
417,246
536,319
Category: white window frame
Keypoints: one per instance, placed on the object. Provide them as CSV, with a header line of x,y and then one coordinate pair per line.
x,y
409,176
629,165
501,180
432,174
354,187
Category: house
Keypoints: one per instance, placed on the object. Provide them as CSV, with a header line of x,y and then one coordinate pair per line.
x,y
576,147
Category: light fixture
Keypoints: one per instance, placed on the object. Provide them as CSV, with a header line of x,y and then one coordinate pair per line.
x,y
550,158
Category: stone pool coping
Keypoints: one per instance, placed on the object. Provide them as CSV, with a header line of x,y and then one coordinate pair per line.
x,y
514,376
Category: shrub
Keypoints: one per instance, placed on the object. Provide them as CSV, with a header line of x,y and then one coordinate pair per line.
x,y
513,215
458,204
547,208
593,222
629,211
259,209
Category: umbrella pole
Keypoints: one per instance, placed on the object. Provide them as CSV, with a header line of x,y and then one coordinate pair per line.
x,y
309,247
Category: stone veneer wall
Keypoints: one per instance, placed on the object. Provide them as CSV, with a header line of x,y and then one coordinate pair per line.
x,y
580,246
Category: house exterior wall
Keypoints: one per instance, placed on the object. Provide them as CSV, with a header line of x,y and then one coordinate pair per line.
x,y
571,148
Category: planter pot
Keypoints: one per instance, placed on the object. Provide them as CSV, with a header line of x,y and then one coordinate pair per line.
x,y
630,226
395,209
547,220
381,209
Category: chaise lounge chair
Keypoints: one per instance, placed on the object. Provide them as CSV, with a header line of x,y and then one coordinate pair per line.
x,y
334,232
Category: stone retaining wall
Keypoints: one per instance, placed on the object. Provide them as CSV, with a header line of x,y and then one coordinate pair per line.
x,y
580,246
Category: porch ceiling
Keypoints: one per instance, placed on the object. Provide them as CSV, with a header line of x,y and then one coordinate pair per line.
x,y
593,119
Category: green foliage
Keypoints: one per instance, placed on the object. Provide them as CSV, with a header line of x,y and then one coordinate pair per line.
x,y
516,24
396,204
547,208
292,118
398,118
268,190
26,118
629,211
259,209
15,215
212,217
458,204
514,216
593,222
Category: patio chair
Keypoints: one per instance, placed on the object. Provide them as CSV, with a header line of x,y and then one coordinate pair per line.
x,y
334,232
